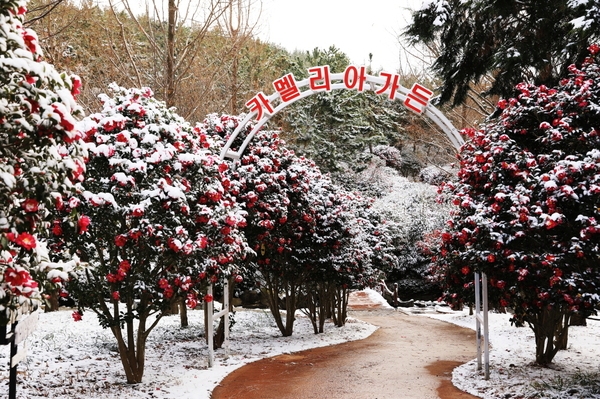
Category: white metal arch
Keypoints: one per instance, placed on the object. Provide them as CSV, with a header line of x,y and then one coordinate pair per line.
x,y
375,83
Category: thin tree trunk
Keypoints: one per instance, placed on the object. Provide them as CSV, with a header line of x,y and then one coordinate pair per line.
x,y
550,328
183,316
170,72
52,304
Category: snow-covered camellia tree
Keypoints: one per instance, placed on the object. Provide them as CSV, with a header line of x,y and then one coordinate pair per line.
x,y
41,155
528,211
153,219
311,238
344,244
274,184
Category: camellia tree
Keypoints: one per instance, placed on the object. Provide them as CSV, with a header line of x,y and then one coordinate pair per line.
x,y
528,211
274,185
153,219
41,155
313,240
345,245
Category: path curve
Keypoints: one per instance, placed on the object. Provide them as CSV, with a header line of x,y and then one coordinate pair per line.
x,y
408,357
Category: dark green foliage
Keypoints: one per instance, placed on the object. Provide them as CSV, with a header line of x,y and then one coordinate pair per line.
x,y
512,41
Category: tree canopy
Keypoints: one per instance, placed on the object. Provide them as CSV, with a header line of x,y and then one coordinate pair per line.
x,y
528,211
511,41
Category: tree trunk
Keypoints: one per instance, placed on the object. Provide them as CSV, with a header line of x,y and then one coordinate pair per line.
x,y
183,316
170,72
290,309
340,306
551,328
562,331
132,351
52,302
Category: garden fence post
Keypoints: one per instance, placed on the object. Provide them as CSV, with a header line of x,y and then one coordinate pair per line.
x,y
481,317
12,381
209,329
226,316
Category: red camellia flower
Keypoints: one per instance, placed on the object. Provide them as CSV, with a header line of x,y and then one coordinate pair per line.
x,y
120,240
208,298
16,278
30,205
26,241
30,39
125,266
83,223
191,301
116,296
76,86
238,279
465,270
56,228
76,315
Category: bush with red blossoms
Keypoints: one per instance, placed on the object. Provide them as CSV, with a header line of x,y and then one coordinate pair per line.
x,y
41,154
344,247
311,238
153,219
527,208
274,185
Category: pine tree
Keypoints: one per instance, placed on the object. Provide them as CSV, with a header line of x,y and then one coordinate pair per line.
x,y
510,41
340,128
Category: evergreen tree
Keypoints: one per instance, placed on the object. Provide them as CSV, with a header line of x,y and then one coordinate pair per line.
x,y
153,219
41,156
340,127
528,211
511,41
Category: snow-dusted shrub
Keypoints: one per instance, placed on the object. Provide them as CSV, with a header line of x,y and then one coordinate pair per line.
x,y
41,154
410,211
527,207
436,175
310,236
153,218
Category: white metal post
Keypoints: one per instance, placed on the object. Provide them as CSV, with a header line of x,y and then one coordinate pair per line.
x,y
486,332
477,318
226,316
481,317
215,316
209,330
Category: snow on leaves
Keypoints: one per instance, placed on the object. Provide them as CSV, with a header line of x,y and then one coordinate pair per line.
x,y
39,148
528,200
161,221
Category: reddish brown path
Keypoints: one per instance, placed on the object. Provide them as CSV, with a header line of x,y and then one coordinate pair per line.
x,y
408,357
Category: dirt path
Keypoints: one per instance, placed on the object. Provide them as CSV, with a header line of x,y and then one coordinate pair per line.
x,y
408,357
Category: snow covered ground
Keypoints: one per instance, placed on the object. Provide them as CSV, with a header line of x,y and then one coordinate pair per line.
x,y
575,373
68,359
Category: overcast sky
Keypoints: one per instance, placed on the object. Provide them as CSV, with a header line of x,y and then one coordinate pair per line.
x,y
355,27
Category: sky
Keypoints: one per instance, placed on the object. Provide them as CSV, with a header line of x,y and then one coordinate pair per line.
x,y
356,28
